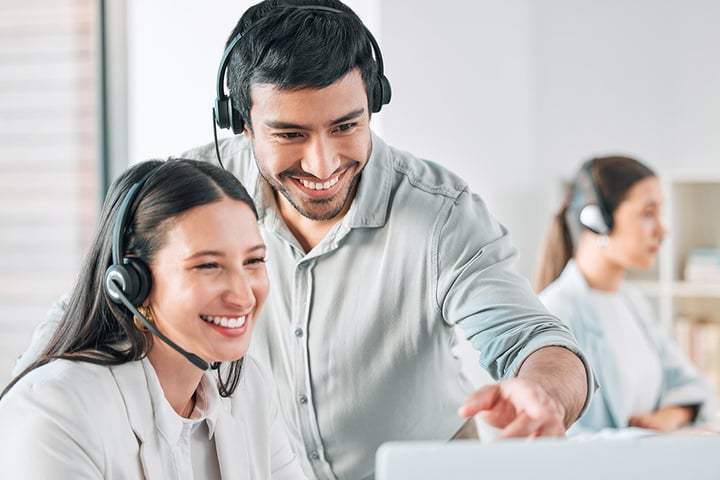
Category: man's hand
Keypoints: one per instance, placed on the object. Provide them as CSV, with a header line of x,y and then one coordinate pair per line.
x,y
543,401
519,407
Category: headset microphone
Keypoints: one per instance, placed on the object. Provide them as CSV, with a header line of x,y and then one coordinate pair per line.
x,y
128,279
194,359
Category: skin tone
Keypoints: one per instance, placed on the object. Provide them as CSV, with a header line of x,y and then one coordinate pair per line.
x,y
311,146
543,400
213,258
633,243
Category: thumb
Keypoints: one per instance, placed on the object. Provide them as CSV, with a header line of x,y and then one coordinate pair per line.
x,y
483,399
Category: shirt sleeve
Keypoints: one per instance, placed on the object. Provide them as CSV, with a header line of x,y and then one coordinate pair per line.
x,y
41,336
43,435
480,289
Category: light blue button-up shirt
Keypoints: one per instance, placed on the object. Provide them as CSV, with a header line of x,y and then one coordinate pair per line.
x,y
569,296
359,331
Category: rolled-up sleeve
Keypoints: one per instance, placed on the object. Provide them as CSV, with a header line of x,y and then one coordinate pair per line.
x,y
480,290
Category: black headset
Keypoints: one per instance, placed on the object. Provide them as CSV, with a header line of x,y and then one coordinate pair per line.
x,y
595,216
127,277
227,116
128,280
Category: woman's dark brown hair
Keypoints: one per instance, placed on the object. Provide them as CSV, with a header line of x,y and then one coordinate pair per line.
x,y
611,178
94,328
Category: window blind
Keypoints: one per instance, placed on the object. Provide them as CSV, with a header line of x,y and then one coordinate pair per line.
x,y
49,180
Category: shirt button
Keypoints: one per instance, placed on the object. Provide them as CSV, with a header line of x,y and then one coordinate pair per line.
x,y
298,332
302,399
315,455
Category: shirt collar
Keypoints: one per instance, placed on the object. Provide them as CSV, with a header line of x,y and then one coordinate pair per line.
x,y
572,273
207,406
370,205
207,403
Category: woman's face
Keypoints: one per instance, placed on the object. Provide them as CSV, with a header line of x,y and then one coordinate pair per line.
x,y
209,280
637,227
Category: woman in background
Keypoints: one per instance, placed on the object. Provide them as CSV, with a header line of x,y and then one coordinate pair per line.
x,y
610,223
131,385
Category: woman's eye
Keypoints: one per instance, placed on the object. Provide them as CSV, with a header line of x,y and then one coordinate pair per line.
x,y
649,213
256,260
207,266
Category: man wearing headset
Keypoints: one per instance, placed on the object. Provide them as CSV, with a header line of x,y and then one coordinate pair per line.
x,y
374,256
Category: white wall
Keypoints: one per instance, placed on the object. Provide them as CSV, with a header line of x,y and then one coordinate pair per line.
x,y
641,77
511,94
463,96
514,94
174,50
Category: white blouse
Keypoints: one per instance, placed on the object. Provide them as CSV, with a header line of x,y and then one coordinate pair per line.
x,y
71,419
640,384
190,441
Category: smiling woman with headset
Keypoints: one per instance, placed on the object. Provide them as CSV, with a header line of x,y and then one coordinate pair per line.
x,y
609,223
177,265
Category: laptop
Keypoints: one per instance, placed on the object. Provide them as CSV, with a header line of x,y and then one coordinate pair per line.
x,y
658,457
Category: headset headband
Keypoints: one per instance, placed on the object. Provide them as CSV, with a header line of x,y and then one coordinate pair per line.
x,y
595,216
227,116
122,215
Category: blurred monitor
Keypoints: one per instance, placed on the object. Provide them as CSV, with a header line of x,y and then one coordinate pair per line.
x,y
658,457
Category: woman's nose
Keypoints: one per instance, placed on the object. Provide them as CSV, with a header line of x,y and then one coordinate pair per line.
x,y
240,292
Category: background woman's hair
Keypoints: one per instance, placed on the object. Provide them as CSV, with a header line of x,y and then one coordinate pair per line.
x,y
95,329
613,177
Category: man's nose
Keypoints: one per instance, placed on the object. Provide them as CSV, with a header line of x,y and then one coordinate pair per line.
x,y
321,158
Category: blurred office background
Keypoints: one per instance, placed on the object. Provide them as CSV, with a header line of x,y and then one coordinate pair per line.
x,y
510,94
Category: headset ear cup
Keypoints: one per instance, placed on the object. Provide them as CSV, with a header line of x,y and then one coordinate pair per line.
x,y
131,280
144,280
222,118
591,217
596,216
381,94
236,121
386,94
116,280
226,116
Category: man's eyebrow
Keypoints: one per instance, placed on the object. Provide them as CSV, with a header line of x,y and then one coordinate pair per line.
x,y
348,116
284,125
298,126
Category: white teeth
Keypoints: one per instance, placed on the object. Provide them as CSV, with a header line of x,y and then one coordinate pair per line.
x,y
227,322
319,186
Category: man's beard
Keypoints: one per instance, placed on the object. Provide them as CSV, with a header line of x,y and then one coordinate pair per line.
x,y
328,208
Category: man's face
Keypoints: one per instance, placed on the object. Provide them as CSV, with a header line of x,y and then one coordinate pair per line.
x,y
312,144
